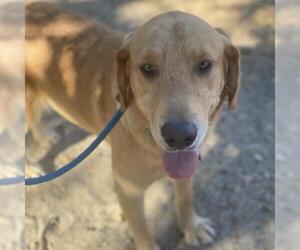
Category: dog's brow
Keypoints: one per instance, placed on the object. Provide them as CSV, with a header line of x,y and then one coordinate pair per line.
x,y
201,50
198,54
151,56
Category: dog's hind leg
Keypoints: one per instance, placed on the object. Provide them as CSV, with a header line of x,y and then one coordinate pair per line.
x,y
34,106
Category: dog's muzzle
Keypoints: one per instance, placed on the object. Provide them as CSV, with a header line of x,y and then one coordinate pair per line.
x,y
181,161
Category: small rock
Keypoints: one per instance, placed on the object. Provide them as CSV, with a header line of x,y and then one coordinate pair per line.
x,y
258,157
248,179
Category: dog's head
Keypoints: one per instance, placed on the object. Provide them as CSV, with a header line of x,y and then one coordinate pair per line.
x,y
178,70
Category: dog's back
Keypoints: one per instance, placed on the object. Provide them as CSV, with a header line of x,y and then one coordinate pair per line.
x,y
69,62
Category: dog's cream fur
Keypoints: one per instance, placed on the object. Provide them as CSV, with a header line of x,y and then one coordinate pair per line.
x,y
79,68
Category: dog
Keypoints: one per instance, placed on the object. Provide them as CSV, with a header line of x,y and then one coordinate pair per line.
x,y
170,76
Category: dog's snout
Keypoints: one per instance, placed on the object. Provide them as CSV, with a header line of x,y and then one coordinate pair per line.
x,y
179,135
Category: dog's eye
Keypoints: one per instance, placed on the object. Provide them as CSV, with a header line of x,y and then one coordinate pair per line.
x,y
148,70
204,66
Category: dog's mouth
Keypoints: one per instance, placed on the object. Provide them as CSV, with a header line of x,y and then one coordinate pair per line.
x,y
181,164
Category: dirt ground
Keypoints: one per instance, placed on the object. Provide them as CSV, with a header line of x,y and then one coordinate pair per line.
x,y
234,185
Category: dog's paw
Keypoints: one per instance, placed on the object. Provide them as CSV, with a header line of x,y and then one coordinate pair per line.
x,y
199,229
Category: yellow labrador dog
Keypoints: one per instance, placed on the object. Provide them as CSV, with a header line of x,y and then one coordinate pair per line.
x,y
171,76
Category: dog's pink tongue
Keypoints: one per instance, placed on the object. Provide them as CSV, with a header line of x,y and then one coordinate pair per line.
x,y
181,164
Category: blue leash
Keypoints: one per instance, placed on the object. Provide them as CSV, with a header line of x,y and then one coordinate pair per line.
x,y
55,174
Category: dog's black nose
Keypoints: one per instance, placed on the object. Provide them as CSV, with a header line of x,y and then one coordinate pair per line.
x,y
179,135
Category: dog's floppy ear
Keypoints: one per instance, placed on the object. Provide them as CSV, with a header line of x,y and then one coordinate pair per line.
x,y
232,74
231,63
124,95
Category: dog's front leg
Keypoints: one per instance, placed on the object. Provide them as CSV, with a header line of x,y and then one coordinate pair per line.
x,y
132,202
192,225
